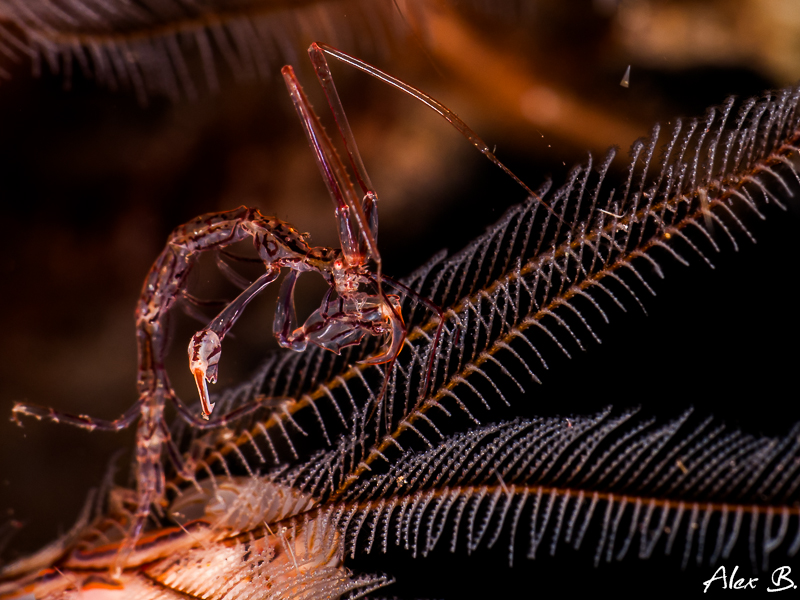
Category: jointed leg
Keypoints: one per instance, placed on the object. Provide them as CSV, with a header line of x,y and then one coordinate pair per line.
x,y
390,309
437,336
82,421
150,484
285,322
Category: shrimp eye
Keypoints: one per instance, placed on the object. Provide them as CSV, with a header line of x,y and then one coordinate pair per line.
x,y
338,264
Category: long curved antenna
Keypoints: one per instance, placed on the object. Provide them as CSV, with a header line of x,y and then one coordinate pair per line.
x,y
430,102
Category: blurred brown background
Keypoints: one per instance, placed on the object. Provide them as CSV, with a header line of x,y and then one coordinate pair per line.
x,y
91,183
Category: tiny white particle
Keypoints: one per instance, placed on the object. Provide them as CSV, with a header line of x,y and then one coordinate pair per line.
x,y
626,79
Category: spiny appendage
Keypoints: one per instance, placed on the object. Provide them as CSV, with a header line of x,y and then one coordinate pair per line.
x,y
555,477
297,558
600,254
550,268
235,530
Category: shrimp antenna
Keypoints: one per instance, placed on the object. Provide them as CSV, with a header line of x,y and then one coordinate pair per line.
x,y
316,51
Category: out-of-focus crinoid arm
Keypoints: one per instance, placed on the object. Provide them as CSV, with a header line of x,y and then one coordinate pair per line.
x,y
179,50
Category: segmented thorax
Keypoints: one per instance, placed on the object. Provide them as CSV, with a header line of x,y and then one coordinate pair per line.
x,y
277,240
210,230
167,275
281,244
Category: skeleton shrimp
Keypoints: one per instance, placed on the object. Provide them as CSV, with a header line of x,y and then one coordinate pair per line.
x,y
346,319
347,313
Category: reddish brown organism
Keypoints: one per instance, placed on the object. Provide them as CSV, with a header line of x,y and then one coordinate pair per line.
x,y
354,306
